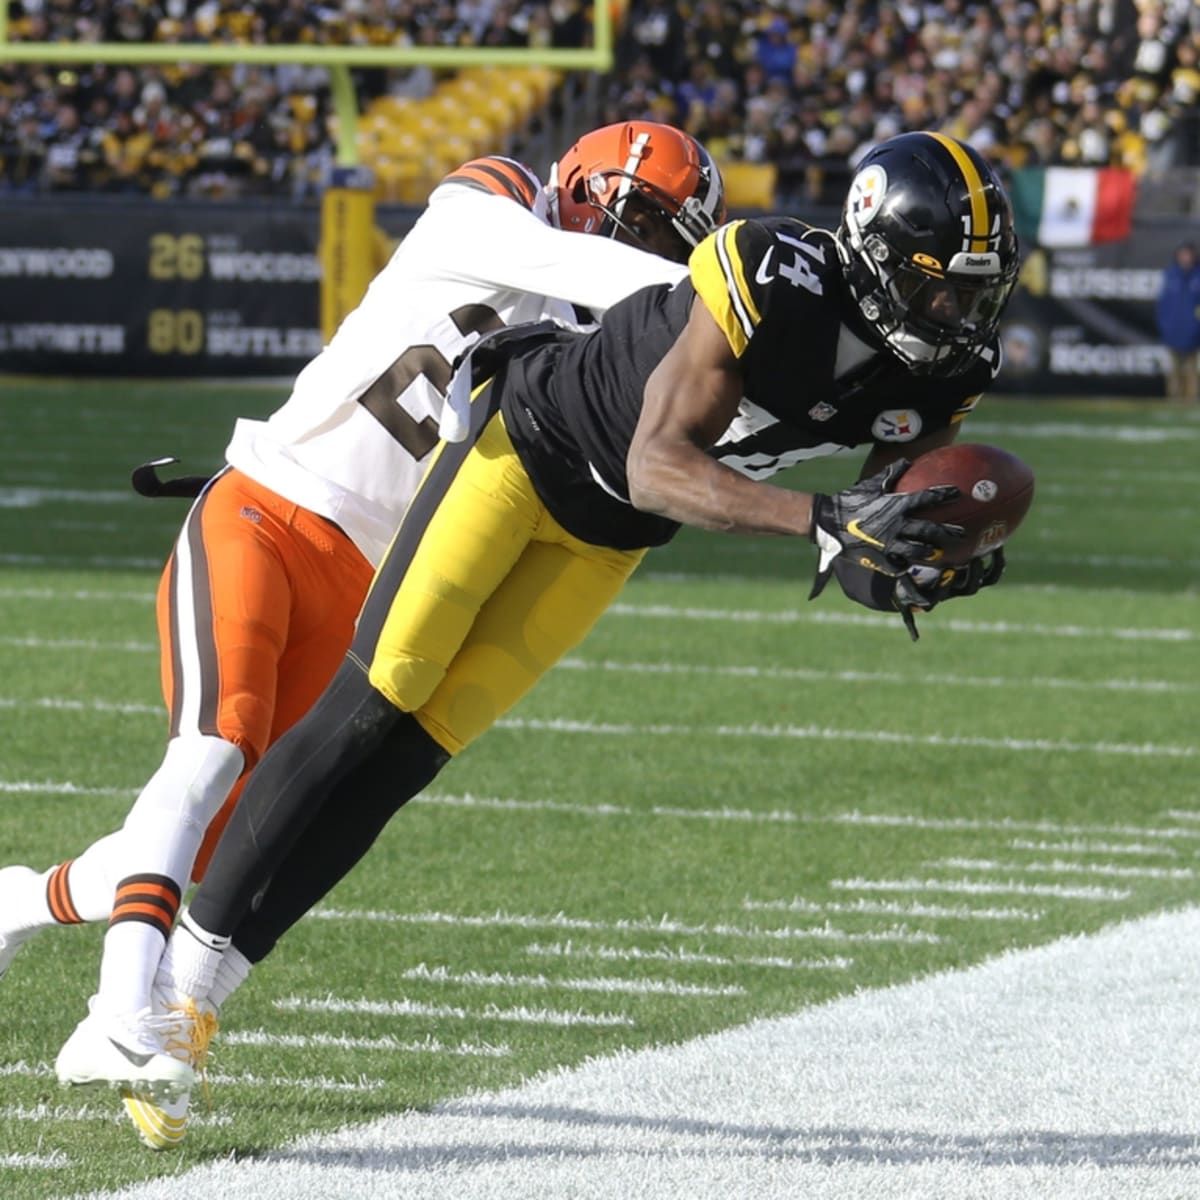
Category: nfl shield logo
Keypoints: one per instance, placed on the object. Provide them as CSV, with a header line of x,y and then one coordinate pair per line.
x,y
822,411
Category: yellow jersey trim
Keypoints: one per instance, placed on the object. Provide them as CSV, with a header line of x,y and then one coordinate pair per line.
x,y
719,277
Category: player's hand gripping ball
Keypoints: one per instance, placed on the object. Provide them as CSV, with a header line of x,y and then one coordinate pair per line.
x,y
994,492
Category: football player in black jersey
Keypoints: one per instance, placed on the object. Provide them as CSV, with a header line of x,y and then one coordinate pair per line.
x,y
785,343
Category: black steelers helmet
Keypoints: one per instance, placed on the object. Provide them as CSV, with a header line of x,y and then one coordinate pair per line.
x,y
929,250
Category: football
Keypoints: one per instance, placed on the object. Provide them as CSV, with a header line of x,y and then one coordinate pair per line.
x,y
995,492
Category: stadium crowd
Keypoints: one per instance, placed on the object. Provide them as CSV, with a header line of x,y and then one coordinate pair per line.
x,y
810,86
806,85
221,131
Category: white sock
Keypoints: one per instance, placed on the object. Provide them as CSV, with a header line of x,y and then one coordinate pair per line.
x,y
162,834
72,892
189,964
127,966
90,879
232,971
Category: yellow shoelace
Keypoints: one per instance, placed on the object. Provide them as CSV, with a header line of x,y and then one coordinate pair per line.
x,y
190,1041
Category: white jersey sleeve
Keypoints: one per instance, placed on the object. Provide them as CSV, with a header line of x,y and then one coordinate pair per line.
x,y
352,441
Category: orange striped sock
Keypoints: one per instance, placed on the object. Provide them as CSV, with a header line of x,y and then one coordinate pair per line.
x,y
58,895
150,899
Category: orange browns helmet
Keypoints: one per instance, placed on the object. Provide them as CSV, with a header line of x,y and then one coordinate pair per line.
x,y
667,169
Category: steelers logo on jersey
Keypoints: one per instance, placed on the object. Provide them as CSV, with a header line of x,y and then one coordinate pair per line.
x,y
896,425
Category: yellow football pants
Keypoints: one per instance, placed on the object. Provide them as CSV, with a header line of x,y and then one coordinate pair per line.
x,y
481,592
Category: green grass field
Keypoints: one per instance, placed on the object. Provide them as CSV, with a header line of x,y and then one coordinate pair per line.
x,y
728,803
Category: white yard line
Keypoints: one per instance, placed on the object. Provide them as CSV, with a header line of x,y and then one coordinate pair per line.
x,y
1122,685
1003,825
661,925
974,887
306,1083
606,984
521,1015
60,704
85,595
313,1083
1070,1071
55,1161
602,808
1140,433
41,643
386,1044
17,787
893,908
570,950
80,561
816,733
1082,846
906,678
1062,867
673,612
29,496
54,1113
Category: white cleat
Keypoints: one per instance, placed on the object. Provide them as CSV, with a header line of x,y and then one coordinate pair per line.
x,y
11,940
162,1124
128,1052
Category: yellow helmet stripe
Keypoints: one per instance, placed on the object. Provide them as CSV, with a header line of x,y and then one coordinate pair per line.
x,y
970,174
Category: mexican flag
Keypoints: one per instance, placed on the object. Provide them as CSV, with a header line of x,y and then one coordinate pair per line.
x,y
1073,206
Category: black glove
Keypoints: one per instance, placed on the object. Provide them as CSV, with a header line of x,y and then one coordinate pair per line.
x,y
146,482
873,523
912,592
913,589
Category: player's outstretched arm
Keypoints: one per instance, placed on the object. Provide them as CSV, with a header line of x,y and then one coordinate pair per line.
x,y
689,401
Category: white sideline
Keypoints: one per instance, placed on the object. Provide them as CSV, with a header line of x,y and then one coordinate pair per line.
x,y
1069,1071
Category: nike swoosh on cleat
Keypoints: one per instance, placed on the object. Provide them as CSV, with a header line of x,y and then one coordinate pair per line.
x,y
138,1060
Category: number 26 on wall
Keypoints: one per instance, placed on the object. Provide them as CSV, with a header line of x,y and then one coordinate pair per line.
x,y
176,256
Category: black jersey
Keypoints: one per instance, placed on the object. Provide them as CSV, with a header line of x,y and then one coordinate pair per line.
x,y
812,386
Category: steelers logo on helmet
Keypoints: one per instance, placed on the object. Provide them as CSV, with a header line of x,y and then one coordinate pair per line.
x,y
866,195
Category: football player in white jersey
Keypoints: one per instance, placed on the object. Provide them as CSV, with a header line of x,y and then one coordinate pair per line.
x,y
257,604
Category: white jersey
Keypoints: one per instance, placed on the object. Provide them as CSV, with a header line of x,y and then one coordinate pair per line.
x,y
352,441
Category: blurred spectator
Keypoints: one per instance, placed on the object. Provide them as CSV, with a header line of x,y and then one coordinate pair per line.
x,y
775,51
655,34
1179,324
70,150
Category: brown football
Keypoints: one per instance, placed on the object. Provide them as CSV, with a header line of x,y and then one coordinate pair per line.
x,y
995,492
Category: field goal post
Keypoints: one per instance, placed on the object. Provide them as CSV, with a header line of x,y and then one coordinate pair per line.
x,y
347,239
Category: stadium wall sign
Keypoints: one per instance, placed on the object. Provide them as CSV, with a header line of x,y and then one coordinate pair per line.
x,y
106,286
100,285
1082,320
